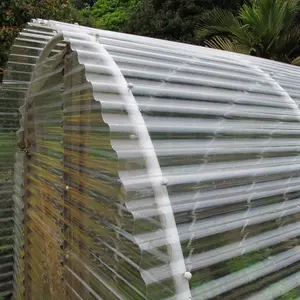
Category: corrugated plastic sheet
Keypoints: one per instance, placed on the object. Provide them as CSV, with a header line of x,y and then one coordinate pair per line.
x,y
126,137
24,53
21,62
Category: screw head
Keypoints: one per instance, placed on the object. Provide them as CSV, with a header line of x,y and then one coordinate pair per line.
x,y
130,85
132,136
165,181
188,275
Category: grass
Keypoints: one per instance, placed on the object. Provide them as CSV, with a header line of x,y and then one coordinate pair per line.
x,y
7,157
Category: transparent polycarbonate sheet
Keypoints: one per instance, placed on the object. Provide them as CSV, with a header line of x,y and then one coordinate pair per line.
x,y
104,260
9,117
229,151
12,94
227,143
44,188
225,131
18,271
20,65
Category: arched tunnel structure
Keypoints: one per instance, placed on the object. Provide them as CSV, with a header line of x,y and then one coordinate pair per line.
x,y
147,169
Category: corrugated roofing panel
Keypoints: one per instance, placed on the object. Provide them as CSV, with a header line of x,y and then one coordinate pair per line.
x,y
138,135
21,63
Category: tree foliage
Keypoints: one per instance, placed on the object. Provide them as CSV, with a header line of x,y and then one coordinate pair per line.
x,y
81,4
112,14
14,14
173,19
264,28
167,19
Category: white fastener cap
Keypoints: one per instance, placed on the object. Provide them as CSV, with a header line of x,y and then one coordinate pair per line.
x,y
130,85
67,187
164,181
188,275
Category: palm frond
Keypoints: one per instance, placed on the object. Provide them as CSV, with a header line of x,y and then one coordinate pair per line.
x,y
288,44
223,43
223,23
263,28
269,19
296,61
217,22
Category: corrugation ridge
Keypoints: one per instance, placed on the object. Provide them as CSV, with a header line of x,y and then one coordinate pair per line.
x,y
224,223
202,260
270,265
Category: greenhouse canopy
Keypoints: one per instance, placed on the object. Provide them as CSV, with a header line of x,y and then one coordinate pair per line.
x,y
147,169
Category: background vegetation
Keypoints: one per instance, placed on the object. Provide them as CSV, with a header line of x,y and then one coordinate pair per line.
x,y
266,28
14,14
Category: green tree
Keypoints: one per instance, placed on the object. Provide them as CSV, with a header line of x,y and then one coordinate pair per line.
x,y
112,14
173,19
14,14
264,28
80,4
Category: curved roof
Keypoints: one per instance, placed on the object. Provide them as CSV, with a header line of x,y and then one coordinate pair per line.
x,y
199,169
